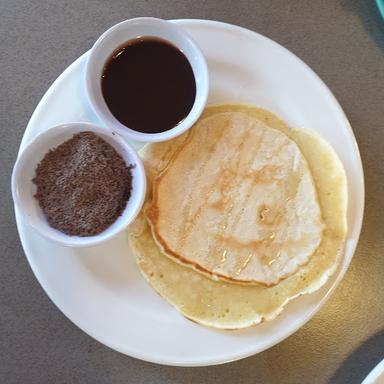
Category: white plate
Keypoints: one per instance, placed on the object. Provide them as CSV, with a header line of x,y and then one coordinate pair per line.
x,y
376,376
101,290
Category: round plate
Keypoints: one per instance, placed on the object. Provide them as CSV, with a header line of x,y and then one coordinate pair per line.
x,y
376,376
102,291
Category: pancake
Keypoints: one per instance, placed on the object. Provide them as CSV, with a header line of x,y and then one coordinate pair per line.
x,y
231,306
237,202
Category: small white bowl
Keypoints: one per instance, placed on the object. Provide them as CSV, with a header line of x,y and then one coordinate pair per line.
x,y
23,189
129,30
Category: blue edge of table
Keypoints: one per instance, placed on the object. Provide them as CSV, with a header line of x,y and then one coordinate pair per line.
x,y
380,5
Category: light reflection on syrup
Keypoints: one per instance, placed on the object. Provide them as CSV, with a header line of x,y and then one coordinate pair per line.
x,y
223,257
275,258
244,265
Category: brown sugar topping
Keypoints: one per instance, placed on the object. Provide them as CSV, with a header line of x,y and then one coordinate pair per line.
x,y
83,185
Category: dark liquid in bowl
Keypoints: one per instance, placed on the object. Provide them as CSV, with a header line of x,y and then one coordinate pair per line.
x,y
148,85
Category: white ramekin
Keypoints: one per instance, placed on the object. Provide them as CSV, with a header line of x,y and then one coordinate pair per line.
x,y
23,189
127,30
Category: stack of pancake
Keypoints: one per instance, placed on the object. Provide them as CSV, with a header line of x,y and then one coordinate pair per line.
x,y
242,215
